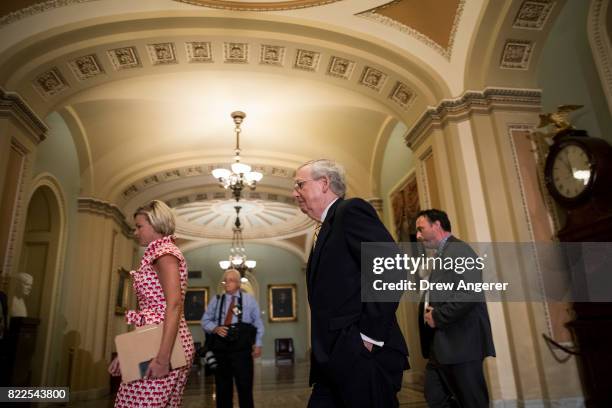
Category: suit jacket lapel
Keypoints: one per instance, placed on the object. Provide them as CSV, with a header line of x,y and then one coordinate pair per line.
x,y
315,255
436,275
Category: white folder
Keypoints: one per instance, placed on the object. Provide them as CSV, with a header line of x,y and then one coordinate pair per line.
x,y
136,349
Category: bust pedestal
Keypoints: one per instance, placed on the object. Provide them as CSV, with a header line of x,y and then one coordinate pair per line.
x,y
19,347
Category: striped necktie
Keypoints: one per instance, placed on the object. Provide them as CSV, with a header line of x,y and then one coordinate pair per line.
x,y
316,234
230,313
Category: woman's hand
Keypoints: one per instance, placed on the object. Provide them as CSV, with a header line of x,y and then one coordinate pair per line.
x,y
157,369
114,368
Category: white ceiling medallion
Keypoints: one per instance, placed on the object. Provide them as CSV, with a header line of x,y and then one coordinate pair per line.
x,y
50,83
373,78
307,60
516,54
86,67
124,58
533,14
340,67
236,53
199,51
162,53
272,55
213,217
402,95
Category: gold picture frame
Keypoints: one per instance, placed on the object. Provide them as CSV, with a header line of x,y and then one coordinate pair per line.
x,y
123,291
196,300
282,303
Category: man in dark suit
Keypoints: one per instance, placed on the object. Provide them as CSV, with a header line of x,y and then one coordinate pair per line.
x,y
358,351
455,330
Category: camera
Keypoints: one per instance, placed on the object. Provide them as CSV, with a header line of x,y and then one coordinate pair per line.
x,y
210,360
233,331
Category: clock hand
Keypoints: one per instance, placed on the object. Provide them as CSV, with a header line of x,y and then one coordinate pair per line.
x,y
566,162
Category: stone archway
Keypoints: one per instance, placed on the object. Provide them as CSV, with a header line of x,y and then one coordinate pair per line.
x,y
41,257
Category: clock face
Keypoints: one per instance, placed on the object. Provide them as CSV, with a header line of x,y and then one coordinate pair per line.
x,y
571,171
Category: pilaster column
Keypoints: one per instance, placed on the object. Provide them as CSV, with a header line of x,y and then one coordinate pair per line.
x,y
377,203
481,179
104,245
21,130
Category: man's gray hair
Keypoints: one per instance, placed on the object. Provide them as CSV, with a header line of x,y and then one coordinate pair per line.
x,y
232,271
320,168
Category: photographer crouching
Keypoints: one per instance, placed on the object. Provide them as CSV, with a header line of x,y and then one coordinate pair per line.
x,y
233,323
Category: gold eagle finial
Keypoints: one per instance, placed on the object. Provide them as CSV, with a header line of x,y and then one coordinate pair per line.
x,y
559,119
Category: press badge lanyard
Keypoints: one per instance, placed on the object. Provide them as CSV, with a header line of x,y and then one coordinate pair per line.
x,y
221,308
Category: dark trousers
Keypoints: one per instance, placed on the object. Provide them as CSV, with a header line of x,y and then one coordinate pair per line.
x,y
324,396
238,367
456,385
372,380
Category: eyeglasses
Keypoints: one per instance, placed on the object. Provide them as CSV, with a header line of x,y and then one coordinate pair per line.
x,y
298,185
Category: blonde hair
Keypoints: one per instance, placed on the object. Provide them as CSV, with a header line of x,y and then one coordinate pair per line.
x,y
159,215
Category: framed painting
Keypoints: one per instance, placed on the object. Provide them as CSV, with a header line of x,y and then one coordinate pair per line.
x,y
123,291
196,300
282,303
405,205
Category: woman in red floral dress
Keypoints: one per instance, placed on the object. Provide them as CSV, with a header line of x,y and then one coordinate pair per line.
x,y
160,284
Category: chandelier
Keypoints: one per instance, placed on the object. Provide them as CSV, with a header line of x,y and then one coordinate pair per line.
x,y
238,258
240,175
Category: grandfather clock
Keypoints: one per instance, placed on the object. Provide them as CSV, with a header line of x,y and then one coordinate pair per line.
x,y
578,173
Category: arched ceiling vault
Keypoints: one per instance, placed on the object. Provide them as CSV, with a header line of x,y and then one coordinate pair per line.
x,y
510,41
147,91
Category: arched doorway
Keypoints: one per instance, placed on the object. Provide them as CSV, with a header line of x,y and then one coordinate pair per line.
x,y
40,256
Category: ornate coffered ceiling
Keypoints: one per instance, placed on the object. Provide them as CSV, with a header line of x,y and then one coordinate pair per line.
x,y
93,67
206,211
271,216
146,92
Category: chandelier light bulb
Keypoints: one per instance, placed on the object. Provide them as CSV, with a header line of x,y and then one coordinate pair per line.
x,y
221,173
241,168
253,176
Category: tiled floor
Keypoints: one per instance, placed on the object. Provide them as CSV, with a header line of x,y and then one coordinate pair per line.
x,y
275,387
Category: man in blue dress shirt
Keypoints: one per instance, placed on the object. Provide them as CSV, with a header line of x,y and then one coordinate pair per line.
x,y
233,307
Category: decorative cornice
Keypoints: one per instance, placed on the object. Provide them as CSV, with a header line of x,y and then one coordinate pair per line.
x,y
11,104
96,206
389,22
471,101
37,9
258,5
